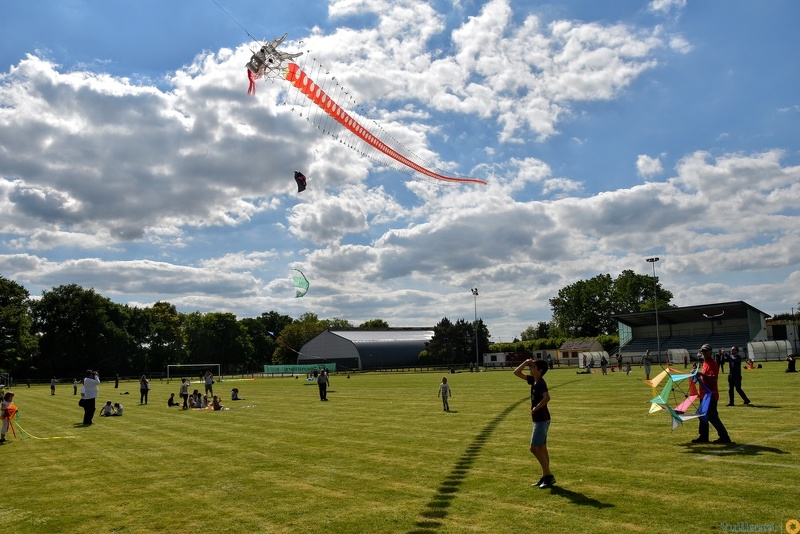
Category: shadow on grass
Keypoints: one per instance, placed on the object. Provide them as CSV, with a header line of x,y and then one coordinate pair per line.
x,y
731,449
579,498
436,510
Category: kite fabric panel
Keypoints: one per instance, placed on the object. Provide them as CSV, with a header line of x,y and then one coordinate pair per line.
x,y
300,284
300,178
678,414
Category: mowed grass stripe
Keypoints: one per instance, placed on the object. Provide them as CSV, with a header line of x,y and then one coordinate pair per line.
x,y
381,456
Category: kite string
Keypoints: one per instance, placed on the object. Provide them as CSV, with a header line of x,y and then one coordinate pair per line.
x,y
236,22
35,437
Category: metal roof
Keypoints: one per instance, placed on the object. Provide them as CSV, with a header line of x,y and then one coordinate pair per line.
x,y
689,314
387,335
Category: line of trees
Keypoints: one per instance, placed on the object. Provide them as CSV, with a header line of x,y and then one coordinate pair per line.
x,y
72,328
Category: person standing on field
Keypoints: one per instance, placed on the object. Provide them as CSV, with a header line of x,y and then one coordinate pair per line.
x,y
709,375
735,376
445,393
90,393
323,382
144,389
185,392
208,379
646,362
540,415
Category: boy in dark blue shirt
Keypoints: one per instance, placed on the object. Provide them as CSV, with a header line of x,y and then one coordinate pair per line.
x,y
540,416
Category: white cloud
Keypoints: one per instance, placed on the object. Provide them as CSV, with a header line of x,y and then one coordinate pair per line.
x,y
666,6
183,191
647,166
680,44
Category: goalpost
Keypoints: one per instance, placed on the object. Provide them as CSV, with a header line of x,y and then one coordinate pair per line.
x,y
174,370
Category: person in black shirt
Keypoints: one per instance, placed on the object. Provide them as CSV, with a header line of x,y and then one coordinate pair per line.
x,y
540,416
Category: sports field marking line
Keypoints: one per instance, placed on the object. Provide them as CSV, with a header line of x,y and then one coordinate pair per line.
x,y
760,464
740,447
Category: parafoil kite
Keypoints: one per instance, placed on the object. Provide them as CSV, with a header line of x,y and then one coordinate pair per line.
x,y
300,284
678,413
271,62
300,178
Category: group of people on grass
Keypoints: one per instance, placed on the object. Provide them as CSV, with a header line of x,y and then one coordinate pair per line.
x,y
196,401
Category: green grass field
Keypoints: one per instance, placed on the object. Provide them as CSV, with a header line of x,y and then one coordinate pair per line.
x,y
382,456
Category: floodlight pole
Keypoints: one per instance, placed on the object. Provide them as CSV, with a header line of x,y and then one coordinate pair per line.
x,y
475,298
655,299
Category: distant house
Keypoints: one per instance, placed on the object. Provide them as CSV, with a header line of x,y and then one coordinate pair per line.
x,y
367,348
571,352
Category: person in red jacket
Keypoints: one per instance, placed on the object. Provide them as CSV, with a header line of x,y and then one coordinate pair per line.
x,y
709,375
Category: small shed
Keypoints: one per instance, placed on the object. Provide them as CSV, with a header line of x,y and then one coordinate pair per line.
x,y
570,351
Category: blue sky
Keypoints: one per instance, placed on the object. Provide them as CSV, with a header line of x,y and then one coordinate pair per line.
x,y
133,161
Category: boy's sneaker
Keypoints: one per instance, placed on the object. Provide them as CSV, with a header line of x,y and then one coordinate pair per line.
x,y
723,441
548,482
539,482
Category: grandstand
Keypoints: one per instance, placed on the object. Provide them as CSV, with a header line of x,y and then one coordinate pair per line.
x,y
720,325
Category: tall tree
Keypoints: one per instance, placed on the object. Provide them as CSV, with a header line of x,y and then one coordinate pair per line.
x,y
635,292
584,309
455,342
374,323
540,331
297,334
218,338
17,344
482,346
167,339
80,329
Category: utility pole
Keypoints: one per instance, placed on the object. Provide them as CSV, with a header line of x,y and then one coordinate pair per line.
x,y
477,355
655,298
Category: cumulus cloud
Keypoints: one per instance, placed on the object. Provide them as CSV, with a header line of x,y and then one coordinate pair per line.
x,y
647,166
183,191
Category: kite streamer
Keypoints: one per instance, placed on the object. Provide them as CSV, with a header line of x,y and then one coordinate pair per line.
x,y
270,62
36,437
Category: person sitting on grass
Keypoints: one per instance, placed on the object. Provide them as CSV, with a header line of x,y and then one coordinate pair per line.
x,y
117,410
216,404
107,409
172,402
235,394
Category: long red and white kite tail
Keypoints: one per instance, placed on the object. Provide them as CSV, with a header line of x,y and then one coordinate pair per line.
x,y
299,79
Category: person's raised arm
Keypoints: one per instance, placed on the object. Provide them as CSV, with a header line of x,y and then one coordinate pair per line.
x,y
518,371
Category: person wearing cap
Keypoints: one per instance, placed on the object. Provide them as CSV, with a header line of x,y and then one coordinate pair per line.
x,y
709,375
735,376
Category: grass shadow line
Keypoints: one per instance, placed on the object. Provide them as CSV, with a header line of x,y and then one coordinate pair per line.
x,y
436,509
579,498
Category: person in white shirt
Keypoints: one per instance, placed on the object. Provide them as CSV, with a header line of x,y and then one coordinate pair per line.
x,y
91,391
444,393
117,409
106,410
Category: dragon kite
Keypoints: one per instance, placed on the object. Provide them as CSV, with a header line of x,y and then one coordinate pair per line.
x,y
270,62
